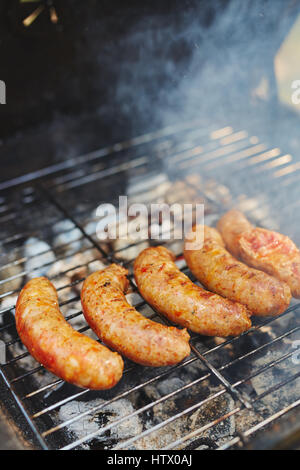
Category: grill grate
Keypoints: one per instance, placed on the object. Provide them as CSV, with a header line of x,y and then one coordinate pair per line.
x,y
227,390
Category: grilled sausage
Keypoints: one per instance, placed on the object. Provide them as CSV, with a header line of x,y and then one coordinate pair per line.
x,y
120,326
173,294
263,249
220,272
70,355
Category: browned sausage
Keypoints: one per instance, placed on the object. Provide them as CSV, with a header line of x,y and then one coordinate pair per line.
x,y
120,326
217,270
263,249
70,355
173,294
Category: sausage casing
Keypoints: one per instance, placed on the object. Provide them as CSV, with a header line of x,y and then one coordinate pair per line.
x,y
50,339
120,326
173,294
272,252
220,272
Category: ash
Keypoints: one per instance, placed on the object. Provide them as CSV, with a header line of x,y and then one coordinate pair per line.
x,y
92,422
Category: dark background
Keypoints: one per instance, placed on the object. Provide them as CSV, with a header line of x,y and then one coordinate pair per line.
x,y
109,70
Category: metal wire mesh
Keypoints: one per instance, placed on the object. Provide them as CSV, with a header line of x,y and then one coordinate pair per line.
x,y
227,390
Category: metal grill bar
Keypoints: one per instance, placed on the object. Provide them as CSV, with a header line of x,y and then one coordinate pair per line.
x,y
84,250
202,429
104,152
24,411
261,425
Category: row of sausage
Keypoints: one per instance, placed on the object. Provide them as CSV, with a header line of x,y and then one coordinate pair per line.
x,y
246,271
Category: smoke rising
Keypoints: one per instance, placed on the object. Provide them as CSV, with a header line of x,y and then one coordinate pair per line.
x,y
214,62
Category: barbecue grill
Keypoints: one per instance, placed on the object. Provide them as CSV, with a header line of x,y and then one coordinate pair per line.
x,y
230,393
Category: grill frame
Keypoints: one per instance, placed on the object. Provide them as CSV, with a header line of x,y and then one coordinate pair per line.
x,y
49,183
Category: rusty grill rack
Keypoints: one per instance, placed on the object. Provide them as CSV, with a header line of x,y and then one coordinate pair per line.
x,y
227,391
